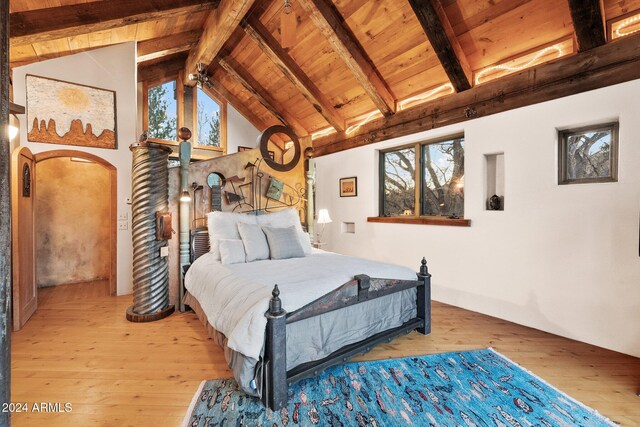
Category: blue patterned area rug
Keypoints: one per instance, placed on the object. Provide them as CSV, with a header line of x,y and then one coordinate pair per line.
x,y
474,388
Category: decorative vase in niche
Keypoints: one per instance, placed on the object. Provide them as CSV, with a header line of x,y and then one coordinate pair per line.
x,y
494,203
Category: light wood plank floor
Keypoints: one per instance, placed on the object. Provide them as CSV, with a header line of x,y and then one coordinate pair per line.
x,y
79,348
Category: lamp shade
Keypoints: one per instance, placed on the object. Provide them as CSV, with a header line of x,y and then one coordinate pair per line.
x,y
185,196
13,132
323,216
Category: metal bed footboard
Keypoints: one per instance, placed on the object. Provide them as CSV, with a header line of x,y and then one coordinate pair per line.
x,y
362,288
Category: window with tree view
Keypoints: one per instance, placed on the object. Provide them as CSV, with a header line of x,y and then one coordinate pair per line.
x,y
440,167
209,120
399,182
163,109
589,154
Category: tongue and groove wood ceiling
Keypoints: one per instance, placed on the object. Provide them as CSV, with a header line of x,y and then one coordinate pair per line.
x,y
352,59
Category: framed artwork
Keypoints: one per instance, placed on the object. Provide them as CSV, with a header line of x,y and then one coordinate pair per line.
x,y
60,112
272,155
349,187
275,189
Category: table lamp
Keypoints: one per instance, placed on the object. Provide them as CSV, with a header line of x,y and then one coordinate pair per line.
x,y
323,218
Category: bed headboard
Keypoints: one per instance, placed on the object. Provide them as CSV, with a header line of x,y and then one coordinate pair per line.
x,y
198,243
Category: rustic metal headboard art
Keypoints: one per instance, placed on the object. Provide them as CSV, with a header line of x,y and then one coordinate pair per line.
x,y
199,243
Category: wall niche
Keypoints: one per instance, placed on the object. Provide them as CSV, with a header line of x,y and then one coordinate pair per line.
x,y
494,182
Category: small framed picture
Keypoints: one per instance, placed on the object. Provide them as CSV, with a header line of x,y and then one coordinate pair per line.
x,y
349,187
272,155
241,148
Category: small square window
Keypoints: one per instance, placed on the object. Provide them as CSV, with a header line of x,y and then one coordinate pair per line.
x,y
588,155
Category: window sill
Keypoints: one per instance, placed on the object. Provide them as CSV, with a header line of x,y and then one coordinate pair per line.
x,y
425,220
177,143
207,147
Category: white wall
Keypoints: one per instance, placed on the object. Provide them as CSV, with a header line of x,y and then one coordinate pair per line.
x,y
239,131
563,259
109,68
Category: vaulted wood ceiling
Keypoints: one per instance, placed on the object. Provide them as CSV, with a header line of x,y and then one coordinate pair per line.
x,y
353,59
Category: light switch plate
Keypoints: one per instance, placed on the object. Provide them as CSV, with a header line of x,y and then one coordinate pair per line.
x,y
164,251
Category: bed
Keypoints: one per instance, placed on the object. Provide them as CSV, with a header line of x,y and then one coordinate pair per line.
x,y
282,320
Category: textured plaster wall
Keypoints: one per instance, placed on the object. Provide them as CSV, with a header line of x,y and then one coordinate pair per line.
x,y
560,258
72,230
112,68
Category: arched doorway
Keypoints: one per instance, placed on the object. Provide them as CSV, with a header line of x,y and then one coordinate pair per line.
x,y
110,206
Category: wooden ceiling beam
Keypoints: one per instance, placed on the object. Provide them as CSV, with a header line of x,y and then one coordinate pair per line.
x,y
438,29
159,71
610,64
217,90
219,26
292,71
588,23
234,69
344,43
168,45
66,21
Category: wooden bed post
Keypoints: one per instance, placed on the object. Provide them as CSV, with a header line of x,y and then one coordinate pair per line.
x,y
424,297
274,389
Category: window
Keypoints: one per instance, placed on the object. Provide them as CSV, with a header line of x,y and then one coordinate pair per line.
x,y
440,173
398,175
163,110
210,121
588,154
443,178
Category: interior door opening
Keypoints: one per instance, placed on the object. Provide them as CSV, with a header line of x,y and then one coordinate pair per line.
x,y
75,220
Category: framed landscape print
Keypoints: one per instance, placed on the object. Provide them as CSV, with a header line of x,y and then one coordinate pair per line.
x,y
67,113
349,187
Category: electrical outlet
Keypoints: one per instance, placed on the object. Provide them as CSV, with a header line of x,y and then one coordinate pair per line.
x,y
123,226
164,251
128,200
123,216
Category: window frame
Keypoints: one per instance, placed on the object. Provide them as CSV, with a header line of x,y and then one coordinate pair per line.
x,y
563,136
146,85
223,121
417,188
417,217
180,122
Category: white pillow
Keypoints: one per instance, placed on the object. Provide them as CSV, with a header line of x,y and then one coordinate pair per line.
x,y
281,219
255,242
231,251
283,242
223,225
305,242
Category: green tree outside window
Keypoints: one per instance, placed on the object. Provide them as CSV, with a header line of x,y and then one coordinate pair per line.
x,y
162,112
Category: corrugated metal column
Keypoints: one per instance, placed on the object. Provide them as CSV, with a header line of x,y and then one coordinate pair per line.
x,y
5,218
149,224
185,158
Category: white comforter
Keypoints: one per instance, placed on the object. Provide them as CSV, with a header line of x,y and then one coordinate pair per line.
x,y
235,297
